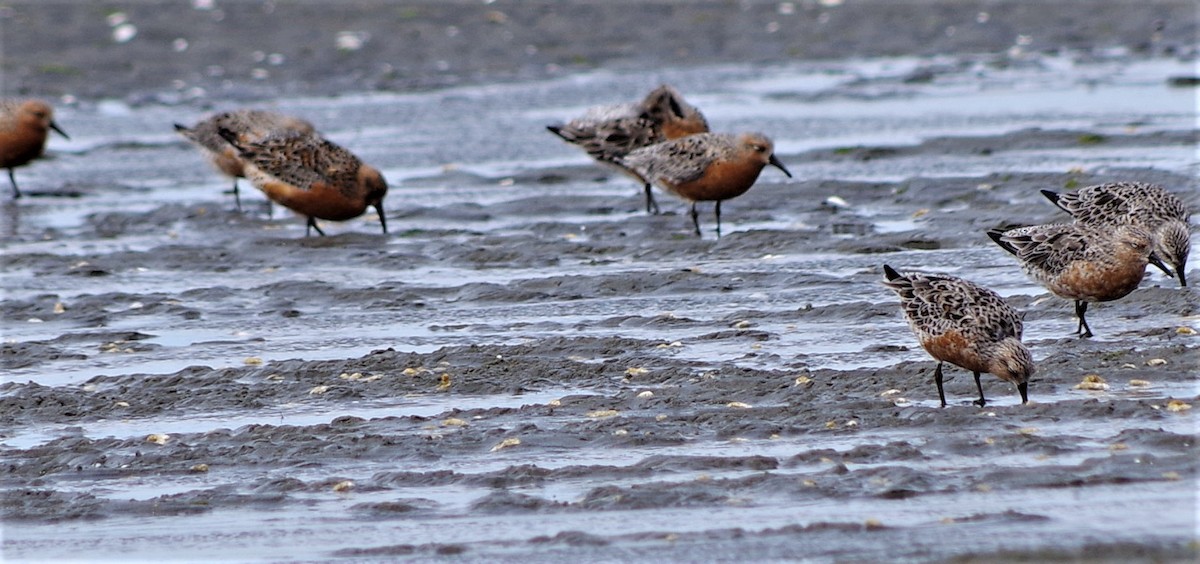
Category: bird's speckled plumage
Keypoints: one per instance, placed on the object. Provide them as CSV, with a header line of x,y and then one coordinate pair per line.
x,y
705,166
311,175
965,324
1135,203
610,132
249,126
1081,262
24,126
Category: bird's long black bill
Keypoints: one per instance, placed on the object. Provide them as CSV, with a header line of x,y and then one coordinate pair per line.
x,y
59,130
1158,263
382,218
779,165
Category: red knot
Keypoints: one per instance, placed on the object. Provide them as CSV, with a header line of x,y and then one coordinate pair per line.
x,y
311,175
1081,262
965,324
249,126
1135,203
24,125
608,133
705,167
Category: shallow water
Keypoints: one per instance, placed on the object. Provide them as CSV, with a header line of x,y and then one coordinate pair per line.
x,y
560,300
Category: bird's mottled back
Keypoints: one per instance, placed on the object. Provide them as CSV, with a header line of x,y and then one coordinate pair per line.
x,y
248,125
303,160
1119,203
936,303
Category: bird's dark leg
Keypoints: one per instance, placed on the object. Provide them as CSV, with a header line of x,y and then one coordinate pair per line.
x,y
937,378
718,212
980,402
695,220
237,198
16,191
1023,387
312,224
1081,312
651,205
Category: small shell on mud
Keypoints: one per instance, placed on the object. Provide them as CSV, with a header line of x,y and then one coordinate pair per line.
x,y
158,438
413,371
252,361
831,425
1028,430
1135,383
554,403
743,324
1092,382
1128,365
1171,475
121,404
1185,330
738,405
635,371
1156,362
1118,446
343,486
318,390
601,413
669,345
351,377
509,442
837,202
620,432
444,381
920,213
873,524
801,380
901,402
199,468
275,377
660,417
809,483
852,423
453,422
889,393
59,307
645,394
1177,406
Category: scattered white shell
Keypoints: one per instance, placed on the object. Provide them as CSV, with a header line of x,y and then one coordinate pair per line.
x,y
645,394
837,202
158,438
252,361
199,467
1156,362
801,380
1135,383
318,390
635,371
889,393
454,422
1092,382
602,413
343,486
1185,330
509,442
1177,406
738,405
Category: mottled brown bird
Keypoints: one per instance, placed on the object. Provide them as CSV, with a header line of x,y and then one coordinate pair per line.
x,y
1081,262
705,167
965,324
608,133
311,176
249,126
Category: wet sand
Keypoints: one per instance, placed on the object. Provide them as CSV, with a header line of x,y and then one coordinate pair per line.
x,y
531,368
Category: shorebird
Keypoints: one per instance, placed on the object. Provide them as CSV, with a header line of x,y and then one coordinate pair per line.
x,y
24,126
311,175
608,133
705,167
1135,203
249,126
1081,262
965,324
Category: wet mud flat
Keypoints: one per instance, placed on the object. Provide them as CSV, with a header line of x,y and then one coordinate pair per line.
x,y
530,368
